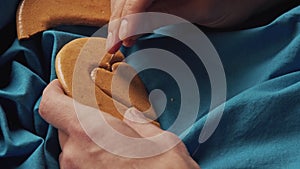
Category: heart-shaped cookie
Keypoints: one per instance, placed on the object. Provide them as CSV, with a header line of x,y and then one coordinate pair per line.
x,y
87,73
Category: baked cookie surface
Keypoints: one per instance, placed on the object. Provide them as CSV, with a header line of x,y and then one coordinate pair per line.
x,y
98,79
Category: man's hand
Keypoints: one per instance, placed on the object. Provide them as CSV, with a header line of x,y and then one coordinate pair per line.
x,y
210,13
79,151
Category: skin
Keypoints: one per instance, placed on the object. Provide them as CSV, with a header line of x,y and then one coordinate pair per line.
x,y
79,151
209,13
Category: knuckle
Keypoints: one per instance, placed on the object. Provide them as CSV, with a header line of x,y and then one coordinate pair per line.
x,y
67,160
133,6
44,104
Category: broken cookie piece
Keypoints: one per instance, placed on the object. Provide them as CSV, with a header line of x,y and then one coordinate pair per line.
x,y
35,16
86,71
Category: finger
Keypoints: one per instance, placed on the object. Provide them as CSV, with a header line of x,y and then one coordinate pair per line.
x,y
162,139
137,121
131,41
128,25
62,138
113,43
135,6
57,108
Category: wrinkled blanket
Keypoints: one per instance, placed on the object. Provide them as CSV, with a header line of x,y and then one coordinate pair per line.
x,y
260,126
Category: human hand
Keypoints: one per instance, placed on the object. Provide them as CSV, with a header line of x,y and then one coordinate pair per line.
x,y
210,13
79,151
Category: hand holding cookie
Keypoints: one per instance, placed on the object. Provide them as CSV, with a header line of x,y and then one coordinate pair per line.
x,y
79,151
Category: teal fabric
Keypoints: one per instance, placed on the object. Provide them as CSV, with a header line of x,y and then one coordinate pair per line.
x,y
260,127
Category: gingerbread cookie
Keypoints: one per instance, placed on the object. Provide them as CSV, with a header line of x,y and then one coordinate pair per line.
x,y
82,65
35,16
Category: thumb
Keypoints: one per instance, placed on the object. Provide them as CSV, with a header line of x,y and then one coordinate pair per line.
x,y
163,139
138,122
57,108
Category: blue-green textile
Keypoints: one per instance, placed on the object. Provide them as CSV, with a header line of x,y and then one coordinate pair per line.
x,y
260,127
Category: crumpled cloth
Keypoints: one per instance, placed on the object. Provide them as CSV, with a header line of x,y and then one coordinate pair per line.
x,y
260,126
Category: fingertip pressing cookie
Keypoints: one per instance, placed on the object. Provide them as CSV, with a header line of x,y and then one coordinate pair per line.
x,y
82,65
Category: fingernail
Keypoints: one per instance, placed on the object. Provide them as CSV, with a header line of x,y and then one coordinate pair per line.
x,y
109,41
123,29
